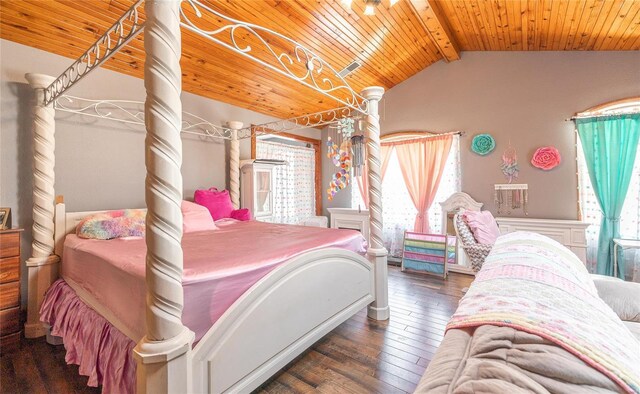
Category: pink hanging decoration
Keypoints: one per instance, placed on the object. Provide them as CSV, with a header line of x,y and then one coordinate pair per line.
x,y
342,159
509,165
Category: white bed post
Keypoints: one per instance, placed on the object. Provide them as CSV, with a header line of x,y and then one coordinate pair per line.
x,y
42,266
379,309
163,353
234,164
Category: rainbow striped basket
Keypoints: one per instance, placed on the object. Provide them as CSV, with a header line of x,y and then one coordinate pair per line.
x,y
430,253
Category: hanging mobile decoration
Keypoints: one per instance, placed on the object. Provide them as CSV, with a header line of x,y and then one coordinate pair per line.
x,y
339,151
509,165
357,148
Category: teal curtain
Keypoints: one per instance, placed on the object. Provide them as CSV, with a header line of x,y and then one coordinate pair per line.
x,y
610,144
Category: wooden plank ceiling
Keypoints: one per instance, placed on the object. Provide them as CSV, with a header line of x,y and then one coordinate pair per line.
x,y
394,44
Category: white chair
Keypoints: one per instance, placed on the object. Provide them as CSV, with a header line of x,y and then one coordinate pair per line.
x,y
450,207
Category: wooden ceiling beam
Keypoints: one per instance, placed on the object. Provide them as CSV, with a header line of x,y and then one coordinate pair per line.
x,y
435,25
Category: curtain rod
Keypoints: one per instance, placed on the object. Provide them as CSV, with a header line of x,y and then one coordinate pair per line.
x,y
574,117
400,138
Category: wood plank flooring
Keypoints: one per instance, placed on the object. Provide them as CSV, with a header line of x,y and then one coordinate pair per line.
x,y
359,356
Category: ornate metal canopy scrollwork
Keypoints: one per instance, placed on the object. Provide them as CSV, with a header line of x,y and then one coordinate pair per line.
x,y
132,112
314,120
116,37
294,61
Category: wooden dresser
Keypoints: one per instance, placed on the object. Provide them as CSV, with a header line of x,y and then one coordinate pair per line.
x,y
570,233
9,289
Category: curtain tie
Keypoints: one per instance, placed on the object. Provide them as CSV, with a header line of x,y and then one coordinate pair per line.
x,y
612,219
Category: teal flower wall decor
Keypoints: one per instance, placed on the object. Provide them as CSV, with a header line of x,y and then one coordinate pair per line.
x,y
483,144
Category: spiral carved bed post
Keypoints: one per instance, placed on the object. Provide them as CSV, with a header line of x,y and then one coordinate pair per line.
x,y
234,163
379,309
42,266
162,354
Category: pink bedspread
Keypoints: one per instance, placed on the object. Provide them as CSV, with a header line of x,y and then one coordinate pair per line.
x,y
219,266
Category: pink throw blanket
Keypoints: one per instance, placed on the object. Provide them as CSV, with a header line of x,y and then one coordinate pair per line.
x,y
534,284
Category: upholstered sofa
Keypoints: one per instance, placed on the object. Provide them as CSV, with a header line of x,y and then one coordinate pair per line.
x,y
506,356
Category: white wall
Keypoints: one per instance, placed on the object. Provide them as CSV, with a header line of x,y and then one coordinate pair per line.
x,y
522,97
99,164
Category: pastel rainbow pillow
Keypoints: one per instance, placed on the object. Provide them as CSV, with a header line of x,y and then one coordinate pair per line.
x,y
113,224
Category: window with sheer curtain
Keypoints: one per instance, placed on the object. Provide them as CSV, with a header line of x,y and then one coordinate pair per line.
x,y
294,183
398,211
629,219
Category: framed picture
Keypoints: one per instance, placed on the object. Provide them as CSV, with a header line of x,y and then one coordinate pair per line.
x,y
5,218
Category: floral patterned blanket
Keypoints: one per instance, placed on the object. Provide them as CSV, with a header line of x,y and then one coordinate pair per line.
x,y
534,284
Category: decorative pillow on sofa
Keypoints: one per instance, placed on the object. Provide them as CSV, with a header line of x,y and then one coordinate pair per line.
x,y
196,218
217,202
623,297
483,225
113,224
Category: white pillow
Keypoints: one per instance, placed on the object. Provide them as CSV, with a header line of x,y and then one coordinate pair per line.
x,y
196,218
623,297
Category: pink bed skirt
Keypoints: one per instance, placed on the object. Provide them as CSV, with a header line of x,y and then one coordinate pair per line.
x,y
102,352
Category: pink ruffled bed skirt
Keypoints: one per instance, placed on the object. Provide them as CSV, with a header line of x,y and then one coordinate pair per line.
x,y
102,352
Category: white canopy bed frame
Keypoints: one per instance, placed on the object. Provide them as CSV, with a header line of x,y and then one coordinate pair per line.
x,y
285,312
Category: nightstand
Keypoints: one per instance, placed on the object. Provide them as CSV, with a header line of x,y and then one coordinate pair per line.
x,y
10,289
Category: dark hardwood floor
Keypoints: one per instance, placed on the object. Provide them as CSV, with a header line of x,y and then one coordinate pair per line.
x,y
360,356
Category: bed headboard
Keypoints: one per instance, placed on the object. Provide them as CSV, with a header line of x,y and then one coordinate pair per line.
x,y
65,223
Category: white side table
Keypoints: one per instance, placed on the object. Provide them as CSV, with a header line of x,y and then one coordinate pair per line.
x,y
624,244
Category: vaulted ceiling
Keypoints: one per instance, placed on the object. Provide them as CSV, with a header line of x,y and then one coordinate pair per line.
x,y
394,44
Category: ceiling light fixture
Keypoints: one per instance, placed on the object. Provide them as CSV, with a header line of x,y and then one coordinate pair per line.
x,y
370,9
369,5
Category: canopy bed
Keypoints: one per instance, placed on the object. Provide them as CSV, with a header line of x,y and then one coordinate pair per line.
x,y
317,288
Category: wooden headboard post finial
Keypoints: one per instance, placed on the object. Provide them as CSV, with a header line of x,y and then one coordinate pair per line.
x,y
42,266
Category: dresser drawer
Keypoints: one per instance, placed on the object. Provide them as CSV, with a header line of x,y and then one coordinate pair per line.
x,y
9,343
9,295
9,269
10,244
10,321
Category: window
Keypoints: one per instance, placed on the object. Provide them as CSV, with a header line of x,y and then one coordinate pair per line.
x,y
629,219
398,211
294,183
591,213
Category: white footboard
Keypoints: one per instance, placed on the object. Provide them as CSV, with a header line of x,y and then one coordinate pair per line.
x,y
279,318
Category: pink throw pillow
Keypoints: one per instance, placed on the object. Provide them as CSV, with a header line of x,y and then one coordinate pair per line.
x,y
241,214
483,225
217,202
196,218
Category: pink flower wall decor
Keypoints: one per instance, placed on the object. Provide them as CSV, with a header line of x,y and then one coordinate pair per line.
x,y
546,158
